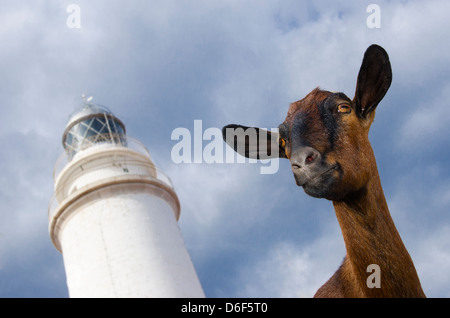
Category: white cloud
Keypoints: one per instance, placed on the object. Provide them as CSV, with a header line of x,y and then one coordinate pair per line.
x,y
289,270
427,123
219,200
433,262
419,205
418,40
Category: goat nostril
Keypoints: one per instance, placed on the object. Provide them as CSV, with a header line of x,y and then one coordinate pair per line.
x,y
303,158
310,159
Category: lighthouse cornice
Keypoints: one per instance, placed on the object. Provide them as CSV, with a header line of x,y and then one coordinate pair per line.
x,y
60,213
104,165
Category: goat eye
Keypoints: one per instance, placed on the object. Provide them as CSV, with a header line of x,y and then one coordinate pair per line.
x,y
282,142
344,108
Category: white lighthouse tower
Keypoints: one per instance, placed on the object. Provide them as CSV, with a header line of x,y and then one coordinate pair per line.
x,y
114,215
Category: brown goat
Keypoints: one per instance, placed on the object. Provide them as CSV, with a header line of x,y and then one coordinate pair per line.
x,y
325,137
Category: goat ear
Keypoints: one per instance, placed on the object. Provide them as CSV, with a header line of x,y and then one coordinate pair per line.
x,y
374,79
252,142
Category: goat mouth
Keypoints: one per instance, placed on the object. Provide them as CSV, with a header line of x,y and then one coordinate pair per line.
x,y
314,178
334,167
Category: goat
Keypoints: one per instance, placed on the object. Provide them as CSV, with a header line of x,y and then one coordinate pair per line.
x,y
325,137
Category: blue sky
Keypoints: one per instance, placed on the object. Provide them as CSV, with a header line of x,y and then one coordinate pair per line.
x,y
160,65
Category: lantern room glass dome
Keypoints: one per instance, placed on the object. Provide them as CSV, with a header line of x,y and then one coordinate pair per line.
x,y
92,125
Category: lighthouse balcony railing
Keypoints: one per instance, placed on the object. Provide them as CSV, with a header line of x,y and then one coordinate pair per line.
x,y
155,173
97,141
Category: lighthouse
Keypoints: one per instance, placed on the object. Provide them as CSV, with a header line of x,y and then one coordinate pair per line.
x,y
114,215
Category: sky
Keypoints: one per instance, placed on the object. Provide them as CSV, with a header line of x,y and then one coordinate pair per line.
x,y
162,65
